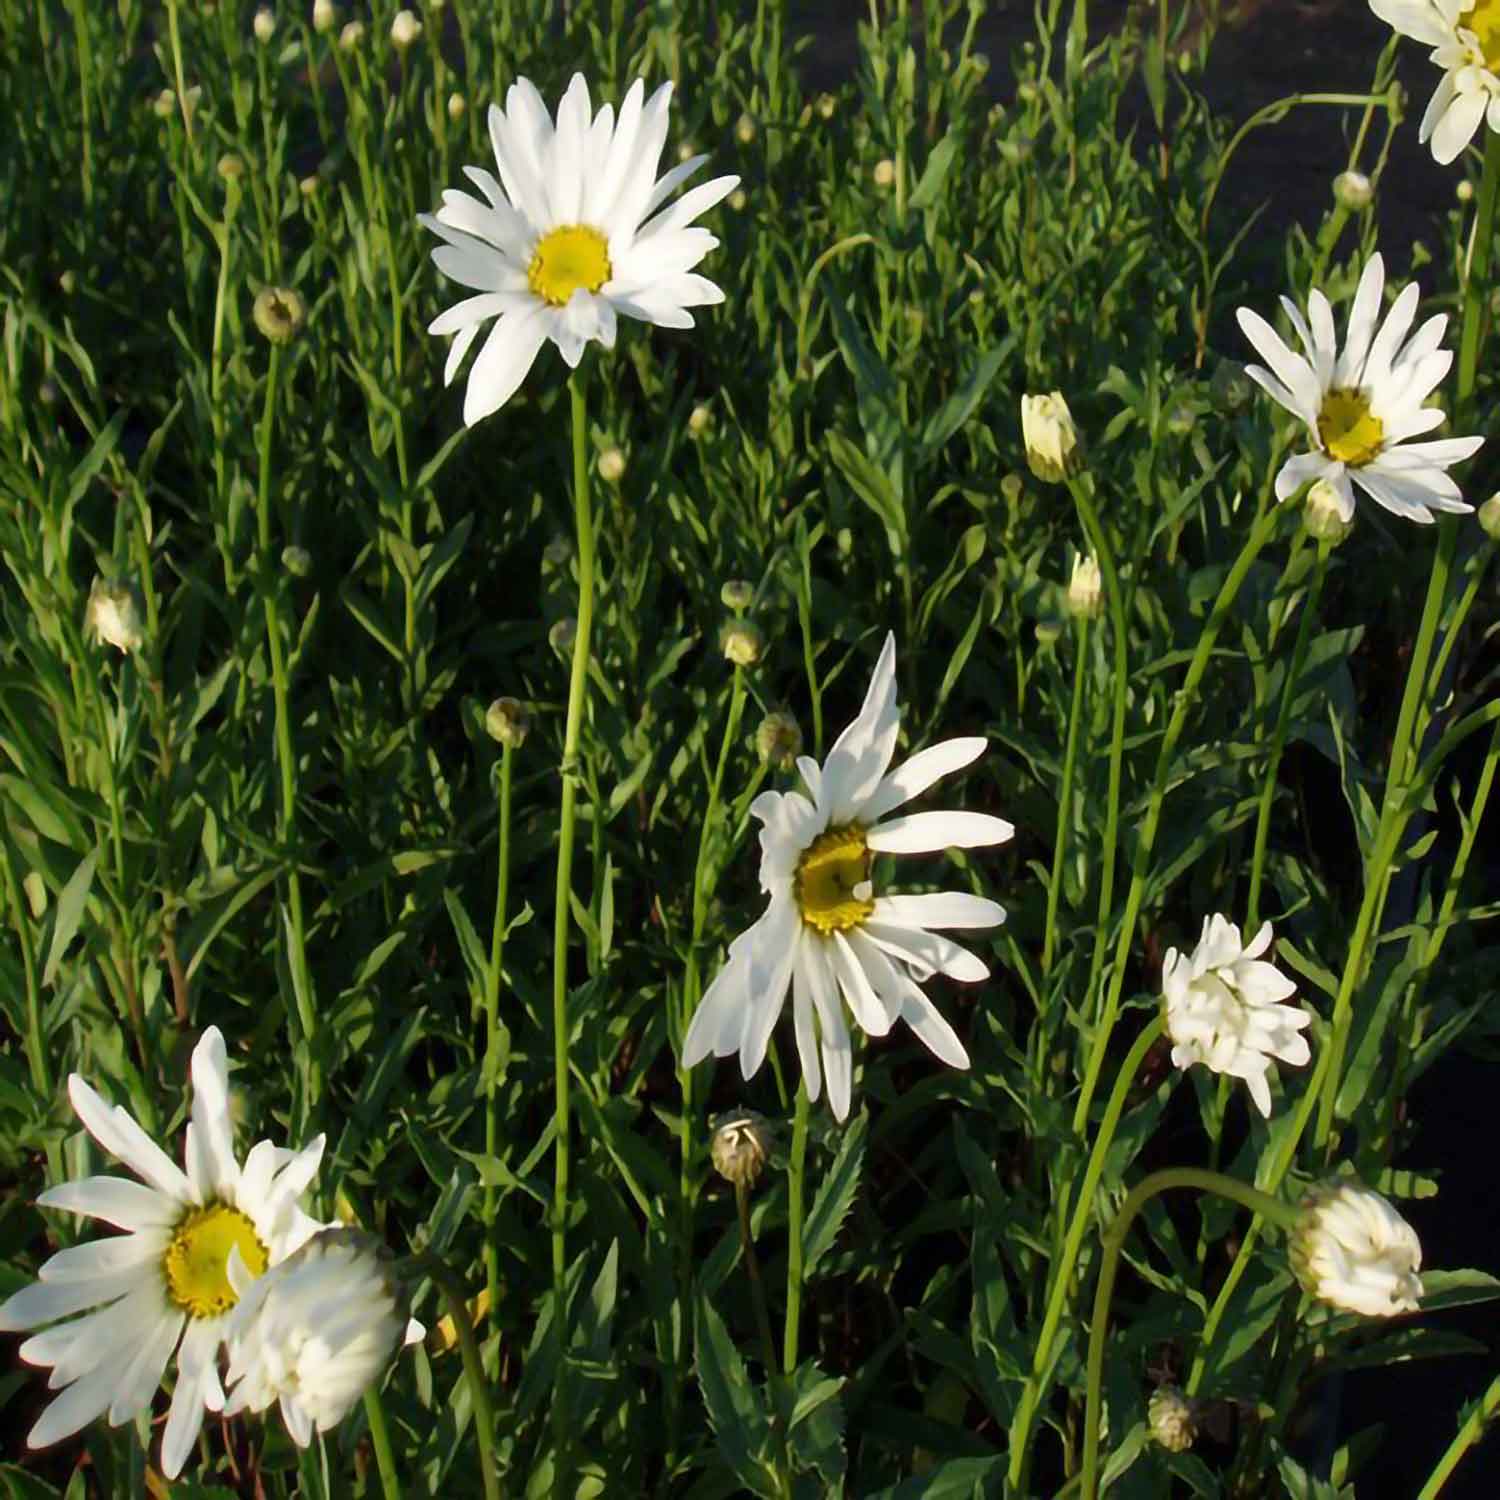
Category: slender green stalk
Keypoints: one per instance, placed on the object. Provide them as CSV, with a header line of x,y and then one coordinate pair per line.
x,y
175,41
492,1030
380,1440
1477,282
1468,1436
1040,1378
36,1040
795,1174
1262,1204
757,1286
577,688
1065,793
1278,736
85,92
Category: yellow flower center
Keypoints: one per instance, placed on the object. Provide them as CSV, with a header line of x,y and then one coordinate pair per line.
x,y
568,258
833,880
196,1263
1483,20
1348,430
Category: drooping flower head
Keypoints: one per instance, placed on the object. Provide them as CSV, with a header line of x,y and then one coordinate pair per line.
x,y
1363,405
1352,1250
1465,42
316,1331
1223,1010
574,232
826,933
1053,450
164,1284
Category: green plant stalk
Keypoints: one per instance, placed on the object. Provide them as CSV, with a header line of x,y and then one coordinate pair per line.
x,y
1065,795
492,1030
1468,1436
36,1041
1260,534
1477,283
1259,1203
767,1342
1278,737
176,45
796,1172
479,1391
85,89
286,759
1115,595
216,383
577,691
380,1440
1040,1379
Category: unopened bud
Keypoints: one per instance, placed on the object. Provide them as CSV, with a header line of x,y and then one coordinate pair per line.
x,y
744,130
325,16
264,25
457,106
778,740
231,166
68,282
310,185
611,465
506,722
405,29
699,420
1489,518
164,105
885,172
1048,632
742,643
296,560
1326,516
1053,450
1352,190
738,200
1085,595
740,1147
558,553
279,313
562,635
113,615
736,594
1173,1419
351,36
686,151
826,106
1012,487
1464,191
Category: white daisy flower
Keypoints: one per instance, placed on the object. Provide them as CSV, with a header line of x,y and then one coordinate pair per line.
x,y
1223,1011
1361,406
1352,1250
315,1331
164,1284
1465,42
826,933
572,234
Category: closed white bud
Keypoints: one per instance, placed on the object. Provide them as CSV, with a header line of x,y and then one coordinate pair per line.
x,y
744,130
457,106
1352,1250
700,419
1464,190
506,721
1489,518
742,643
885,172
1173,1419
736,594
1053,450
264,25
1085,596
778,740
1353,191
1325,516
351,36
325,16
562,635
611,465
405,29
113,615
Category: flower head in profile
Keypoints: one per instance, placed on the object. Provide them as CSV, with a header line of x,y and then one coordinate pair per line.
x,y
1053,450
1352,1250
163,1286
1223,1008
575,231
1465,39
1364,404
826,934
316,1331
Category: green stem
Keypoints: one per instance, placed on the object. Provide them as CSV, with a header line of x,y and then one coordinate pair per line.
x,y
479,1391
795,1174
577,686
1040,1378
85,90
757,1286
1262,1204
286,760
492,1031
380,1439
1065,795
176,45
1467,1437
36,1041
1477,282
1278,736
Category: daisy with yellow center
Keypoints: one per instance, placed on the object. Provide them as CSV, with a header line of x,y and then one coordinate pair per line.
x,y
1364,404
164,1285
575,231
827,934
1465,42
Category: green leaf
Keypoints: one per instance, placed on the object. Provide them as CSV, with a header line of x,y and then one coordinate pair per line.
x,y
958,1479
735,1407
872,486
930,185
956,410
1442,1289
835,1196
69,912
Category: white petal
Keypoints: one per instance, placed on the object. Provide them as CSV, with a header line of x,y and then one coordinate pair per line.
x,y
95,1258
195,1371
1290,369
1300,468
45,1302
862,753
719,1022
935,1033
115,1200
75,1347
502,364
925,833
914,776
806,1026
1362,318
143,1370
119,1134
687,208
854,984
1457,126
771,960
953,909
929,950
87,1398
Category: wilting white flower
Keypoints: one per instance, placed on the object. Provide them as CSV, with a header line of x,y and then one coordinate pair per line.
x,y
113,615
163,1285
315,1332
573,234
1085,587
1465,39
1352,1250
1052,447
826,934
1363,405
1223,1011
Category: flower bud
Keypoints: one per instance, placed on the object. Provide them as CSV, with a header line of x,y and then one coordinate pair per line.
x,y
264,25
611,465
1085,596
310,185
506,721
68,282
737,594
1230,388
279,313
405,29
297,560
1173,1419
737,200
1352,1250
744,130
1052,447
742,643
164,105
1011,488
1464,190
826,105
1352,191
325,16
562,635
1324,517
457,106
686,151
351,36
558,553
113,615
1048,632
778,741
1489,518
740,1147
885,172
700,419
231,166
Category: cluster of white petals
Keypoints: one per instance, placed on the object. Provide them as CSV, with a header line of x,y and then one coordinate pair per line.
x,y
1362,405
1352,1250
825,934
1223,1008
